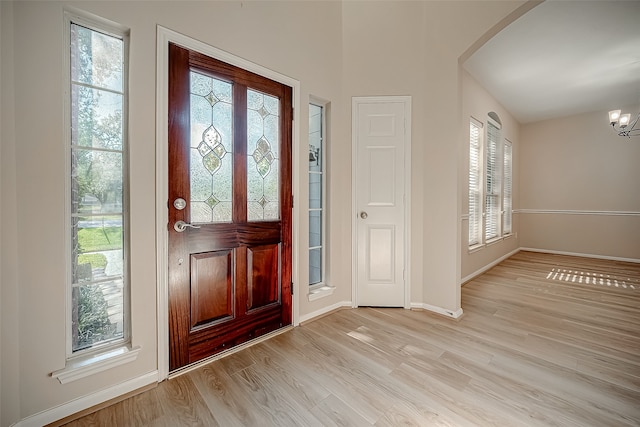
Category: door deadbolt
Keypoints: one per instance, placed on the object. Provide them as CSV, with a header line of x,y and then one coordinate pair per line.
x,y
179,203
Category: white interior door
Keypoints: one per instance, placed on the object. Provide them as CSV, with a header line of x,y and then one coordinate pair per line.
x,y
380,140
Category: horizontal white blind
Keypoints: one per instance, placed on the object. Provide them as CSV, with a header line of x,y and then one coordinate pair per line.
x,y
507,203
492,184
475,188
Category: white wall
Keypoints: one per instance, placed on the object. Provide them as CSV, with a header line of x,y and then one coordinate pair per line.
x,y
477,103
336,50
9,326
579,187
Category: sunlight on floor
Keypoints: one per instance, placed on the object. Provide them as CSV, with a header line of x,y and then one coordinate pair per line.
x,y
590,278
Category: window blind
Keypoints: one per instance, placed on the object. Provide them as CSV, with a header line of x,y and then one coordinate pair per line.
x,y
492,184
507,201
475,190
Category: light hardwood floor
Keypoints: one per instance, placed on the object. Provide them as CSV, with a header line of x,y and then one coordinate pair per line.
x,y
545,340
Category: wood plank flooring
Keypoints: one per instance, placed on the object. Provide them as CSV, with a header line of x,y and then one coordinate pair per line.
x,y
546,340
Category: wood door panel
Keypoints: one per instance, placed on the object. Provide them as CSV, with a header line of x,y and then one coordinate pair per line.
x,y
205,342
216,237
212,287
263,280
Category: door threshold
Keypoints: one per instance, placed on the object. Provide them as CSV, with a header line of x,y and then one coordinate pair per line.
x,y
225,353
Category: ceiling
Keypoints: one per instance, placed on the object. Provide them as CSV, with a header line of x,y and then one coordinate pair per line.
x,y
564,58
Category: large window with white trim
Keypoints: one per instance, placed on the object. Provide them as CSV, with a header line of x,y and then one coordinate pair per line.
x,y
490,182
97,185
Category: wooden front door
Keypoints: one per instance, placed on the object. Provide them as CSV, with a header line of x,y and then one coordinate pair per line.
x,y
229,206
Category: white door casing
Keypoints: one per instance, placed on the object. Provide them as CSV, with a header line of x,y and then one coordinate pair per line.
x,y
381,178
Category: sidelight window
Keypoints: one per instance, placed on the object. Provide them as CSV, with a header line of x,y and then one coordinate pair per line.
x,y
317,199
97,186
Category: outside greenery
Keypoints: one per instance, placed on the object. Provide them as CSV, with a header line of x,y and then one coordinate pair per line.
x,y
99,239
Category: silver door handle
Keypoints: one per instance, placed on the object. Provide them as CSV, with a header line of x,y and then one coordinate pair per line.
x,y
180,226
363,215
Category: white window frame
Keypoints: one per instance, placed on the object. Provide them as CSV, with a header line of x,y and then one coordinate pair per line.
x,y
503,183
322,288
476,195
496,174
85,362
507,188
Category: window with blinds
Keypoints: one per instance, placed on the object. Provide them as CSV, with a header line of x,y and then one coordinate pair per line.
x,y
507,203
493,183
475,188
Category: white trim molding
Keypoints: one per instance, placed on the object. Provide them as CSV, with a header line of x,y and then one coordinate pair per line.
x,y
611,258
164,37
85,366
488,267
438,310
325,310
59,412
576,212
319,292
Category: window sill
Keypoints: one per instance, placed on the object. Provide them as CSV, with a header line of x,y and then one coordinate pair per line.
x,y
475,248
83,367
495,240
320,292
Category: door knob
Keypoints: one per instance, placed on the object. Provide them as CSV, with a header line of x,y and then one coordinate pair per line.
x,y
180,226
363,215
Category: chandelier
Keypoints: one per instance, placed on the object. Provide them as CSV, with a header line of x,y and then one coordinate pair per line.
x,y
622,124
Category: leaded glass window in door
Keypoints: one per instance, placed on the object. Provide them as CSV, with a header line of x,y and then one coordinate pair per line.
x,y
263,136
211,158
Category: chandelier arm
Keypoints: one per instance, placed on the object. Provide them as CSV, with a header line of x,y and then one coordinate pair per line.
x,y
629,130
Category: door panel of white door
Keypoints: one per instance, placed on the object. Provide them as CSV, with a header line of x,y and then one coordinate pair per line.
x,y
379,197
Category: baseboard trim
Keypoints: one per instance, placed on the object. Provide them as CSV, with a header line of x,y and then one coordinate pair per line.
x,y
488,266
78,405
583,255
439,310
325,310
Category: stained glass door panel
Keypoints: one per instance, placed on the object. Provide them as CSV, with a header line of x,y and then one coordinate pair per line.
x,y
263,134
211,159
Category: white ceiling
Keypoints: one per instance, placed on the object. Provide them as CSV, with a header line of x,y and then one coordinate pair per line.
x,y
564,58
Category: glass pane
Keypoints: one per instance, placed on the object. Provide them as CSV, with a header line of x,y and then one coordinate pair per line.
x,y
96,118
315,228
315,266
315,190
96,59
211,147
263,175
315,138
96,182
99,233
98,313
